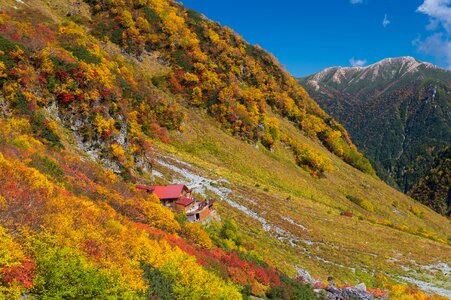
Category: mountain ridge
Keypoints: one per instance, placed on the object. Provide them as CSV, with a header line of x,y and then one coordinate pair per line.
x,y
397,101
411,62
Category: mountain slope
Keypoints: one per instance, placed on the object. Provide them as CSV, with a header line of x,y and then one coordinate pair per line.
x,y
98,96
433,189
397,111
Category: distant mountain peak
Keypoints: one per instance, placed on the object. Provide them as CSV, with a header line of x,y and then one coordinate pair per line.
x,y
410,63
387,69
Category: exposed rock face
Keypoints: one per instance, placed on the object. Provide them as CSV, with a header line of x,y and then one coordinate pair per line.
x,y
357,292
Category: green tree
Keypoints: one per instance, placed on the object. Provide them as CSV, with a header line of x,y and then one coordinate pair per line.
x,y
63,273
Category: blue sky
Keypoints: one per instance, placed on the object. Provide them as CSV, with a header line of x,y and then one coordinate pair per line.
x,y
308,36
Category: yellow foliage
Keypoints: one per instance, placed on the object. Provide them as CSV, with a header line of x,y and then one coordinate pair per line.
x,y
214,37
18,54
17,171
46,65
142,24
210,80
161,217
10,89
195,233
2,70
190,78
104,126
405,292
192,281
110,177
363,203
22,141
196,96
314,161
117,150
10,255
126,19
312,125
10,251
416,211
3,203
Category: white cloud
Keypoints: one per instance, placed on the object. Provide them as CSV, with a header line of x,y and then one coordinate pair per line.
x,y
386,21
357,62
355,1
439,11
437,44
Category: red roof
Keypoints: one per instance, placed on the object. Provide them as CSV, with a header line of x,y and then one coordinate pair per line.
x,y
185,201
172,191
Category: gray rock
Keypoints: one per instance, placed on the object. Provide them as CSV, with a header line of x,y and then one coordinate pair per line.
x,y
360,287
304,275
360,293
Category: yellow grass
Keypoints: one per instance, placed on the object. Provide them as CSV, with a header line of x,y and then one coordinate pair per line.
x,y
347,248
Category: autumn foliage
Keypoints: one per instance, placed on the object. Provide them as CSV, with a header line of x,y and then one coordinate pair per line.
x,y
216,69
70,227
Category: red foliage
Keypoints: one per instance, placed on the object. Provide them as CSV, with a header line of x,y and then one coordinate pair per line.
x,y
319,285
23,274
66,97
61,75
274,279
105,93
15,37
239,270
80,97
92,249
262,276
377,292
42,79
238,275
13,73
161,132
347,214
79,76
44,35
177,87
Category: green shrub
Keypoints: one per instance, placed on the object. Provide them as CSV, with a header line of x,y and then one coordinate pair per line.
x,y
342,149
20,103
83,54
63,273
116,36
363,203
417,212
229,231
160,287
39,127
47,166
291,289
7,46
151,15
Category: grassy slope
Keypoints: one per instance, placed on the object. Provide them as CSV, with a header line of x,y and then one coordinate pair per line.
x,y
314,203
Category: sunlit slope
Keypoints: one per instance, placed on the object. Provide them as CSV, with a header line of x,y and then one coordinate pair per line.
x,y
252,138
296,219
